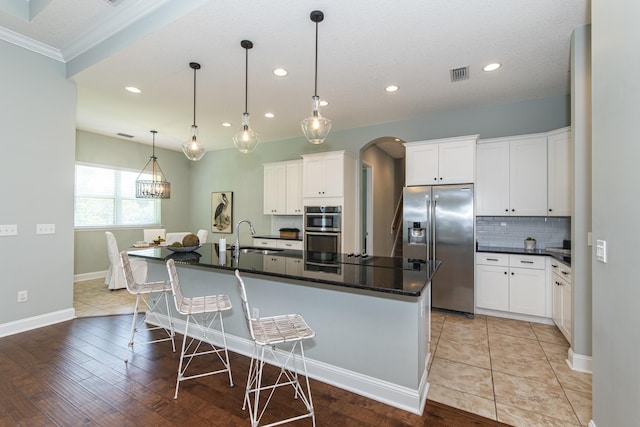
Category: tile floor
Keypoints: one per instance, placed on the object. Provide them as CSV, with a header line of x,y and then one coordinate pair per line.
x,y
507,370
93,298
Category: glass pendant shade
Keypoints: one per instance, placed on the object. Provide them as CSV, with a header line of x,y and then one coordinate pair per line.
x,y
246,140
315,127
157,187
193,149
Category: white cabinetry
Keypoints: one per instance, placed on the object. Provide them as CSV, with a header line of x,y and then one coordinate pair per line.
x,y
560,172
512,176
283,188
261,242
512,283
323,175
562,298
442,161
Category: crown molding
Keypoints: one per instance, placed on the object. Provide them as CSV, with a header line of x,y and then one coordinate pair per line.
x,y
30,44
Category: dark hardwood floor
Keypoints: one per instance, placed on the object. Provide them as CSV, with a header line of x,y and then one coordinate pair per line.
x,y
73,374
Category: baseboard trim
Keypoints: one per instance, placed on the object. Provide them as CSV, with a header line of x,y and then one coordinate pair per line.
x,y
401,397
89,276
35,322
579,362
515,316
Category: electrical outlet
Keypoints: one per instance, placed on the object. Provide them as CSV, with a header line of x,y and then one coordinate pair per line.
x,y
45,229
256,313
9,230
23,296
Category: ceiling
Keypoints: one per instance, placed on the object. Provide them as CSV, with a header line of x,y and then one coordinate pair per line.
x,y
364,46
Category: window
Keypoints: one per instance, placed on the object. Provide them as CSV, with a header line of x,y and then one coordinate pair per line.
x,y
106,197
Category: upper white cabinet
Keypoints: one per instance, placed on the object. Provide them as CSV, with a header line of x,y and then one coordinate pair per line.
x,y
560,172
511,177
442,161
324,174
283,188
528,177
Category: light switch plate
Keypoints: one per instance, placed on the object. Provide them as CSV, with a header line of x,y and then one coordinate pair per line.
x,y
45,229
9,230
601,250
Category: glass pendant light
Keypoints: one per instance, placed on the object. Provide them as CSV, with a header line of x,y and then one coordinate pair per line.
x,y
246,140
157,187
315,127
193,148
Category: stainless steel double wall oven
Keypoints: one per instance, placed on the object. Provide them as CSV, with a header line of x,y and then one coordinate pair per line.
x,y
322,234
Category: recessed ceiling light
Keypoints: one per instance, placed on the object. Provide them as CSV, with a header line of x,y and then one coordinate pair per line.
x,y
280,72
269,115
391,88
226,124
133,89
492,67
324,103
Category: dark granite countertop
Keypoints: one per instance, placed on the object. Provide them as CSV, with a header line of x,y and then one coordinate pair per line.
x,y
378,274
277,237
559,255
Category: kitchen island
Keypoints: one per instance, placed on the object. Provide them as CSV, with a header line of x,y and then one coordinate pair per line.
x,y
371,316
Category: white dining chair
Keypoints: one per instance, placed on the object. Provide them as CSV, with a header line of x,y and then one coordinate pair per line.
x,y
150,234
202,235
115,276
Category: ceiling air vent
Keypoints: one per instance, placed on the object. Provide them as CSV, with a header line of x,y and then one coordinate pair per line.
x,y
458,74
124,135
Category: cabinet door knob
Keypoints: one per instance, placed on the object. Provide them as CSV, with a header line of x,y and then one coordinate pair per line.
x,y
512,273
435,178
550,210
505,272
506,210
440,178
513,210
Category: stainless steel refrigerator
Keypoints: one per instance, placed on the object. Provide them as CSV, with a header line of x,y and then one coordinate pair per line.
x,y
438,224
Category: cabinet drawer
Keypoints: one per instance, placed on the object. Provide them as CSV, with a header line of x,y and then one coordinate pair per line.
x,y
487,258
289,244
265,243
527,261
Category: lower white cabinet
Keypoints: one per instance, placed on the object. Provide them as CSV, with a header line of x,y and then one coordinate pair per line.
x,y
562,298
511,283
283,265
277,243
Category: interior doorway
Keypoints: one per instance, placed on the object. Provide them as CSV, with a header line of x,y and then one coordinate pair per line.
x,y
367,209
381,179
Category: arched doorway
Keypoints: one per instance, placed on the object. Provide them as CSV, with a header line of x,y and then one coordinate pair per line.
x,y
381,182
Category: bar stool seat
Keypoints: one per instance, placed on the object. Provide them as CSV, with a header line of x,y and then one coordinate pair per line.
x,y
266,333
203,312
147,293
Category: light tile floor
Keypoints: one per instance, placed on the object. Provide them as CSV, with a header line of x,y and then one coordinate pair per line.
x,y
93,298
507,370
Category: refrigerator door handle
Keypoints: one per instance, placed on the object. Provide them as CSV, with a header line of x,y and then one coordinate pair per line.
x,y
433,227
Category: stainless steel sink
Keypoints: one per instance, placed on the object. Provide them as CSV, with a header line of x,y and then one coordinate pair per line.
x,y
260,251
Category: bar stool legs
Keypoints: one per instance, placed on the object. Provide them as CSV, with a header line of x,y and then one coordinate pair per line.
x,y
202,312
148,294
287,331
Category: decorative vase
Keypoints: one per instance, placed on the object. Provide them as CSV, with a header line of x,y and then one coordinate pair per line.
x,y
529,245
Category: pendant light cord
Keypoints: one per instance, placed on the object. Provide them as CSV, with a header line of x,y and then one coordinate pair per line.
x,y
315,89
246,78
194,96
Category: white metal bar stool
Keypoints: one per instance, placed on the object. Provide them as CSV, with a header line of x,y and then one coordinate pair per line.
x,y
202,311
150,293
266,333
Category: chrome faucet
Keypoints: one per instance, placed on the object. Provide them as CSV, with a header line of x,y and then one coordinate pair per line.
x,y
236,248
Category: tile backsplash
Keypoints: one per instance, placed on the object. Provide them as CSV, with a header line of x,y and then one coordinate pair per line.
x,y
285,221
510,231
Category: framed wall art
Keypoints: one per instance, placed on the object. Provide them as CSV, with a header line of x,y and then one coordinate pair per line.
x,y
222,212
